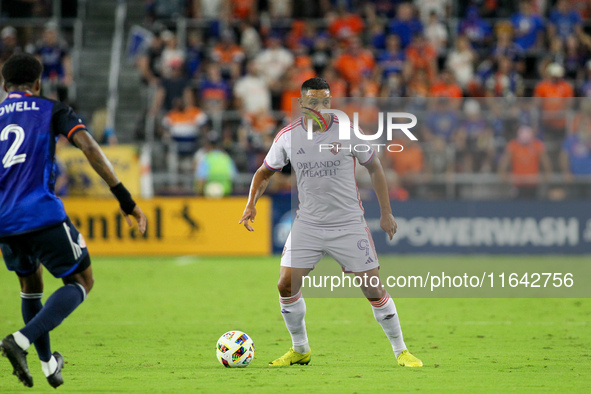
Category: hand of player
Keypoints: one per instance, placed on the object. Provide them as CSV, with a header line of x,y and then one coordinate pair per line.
x,y
388,224
249,214
139,216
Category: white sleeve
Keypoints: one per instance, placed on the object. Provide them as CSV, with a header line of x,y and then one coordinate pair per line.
x,y
364,152
276,158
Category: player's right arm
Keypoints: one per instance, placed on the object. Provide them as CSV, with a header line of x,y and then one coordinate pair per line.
x,y
275,160
257,188
101,164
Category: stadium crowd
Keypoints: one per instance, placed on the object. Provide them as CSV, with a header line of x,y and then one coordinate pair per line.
x,y
224,81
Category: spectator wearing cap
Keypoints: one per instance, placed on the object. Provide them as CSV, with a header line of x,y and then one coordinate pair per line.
x,y
528,27
526,155
564,21
9,44
554,96
405,25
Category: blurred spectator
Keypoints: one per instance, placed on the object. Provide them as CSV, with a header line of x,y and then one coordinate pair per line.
x,y
525,155
182,124
170,88
251,92
528,26
585,90
474,141
441,9
354,62
564,21
505,82
345,24
57,66
393,86
150,61
446,86
391,60
250,41
243,10
194,54
407,163
405,25
421,56
436,33
171,52
9,44
574,58
229,56
215,171
395,190
321,54
215,93
377,37
439,162
280,8
419,84
555,97
272,63
461,61
338,86
165,9
478,31
210,9
506,47
575,156
441,120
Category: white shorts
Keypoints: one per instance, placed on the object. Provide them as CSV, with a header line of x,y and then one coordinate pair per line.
x,y
351,246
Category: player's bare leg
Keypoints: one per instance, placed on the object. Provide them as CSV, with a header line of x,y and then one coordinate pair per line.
x,y
293,310
384,311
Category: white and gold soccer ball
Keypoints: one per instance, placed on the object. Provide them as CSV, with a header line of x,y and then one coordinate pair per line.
x,y
235,349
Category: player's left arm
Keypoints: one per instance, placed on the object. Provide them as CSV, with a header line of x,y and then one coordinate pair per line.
x,y
378,181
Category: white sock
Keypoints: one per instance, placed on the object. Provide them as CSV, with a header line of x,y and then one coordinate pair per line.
x,y
21,340
293,310
49,367
384,311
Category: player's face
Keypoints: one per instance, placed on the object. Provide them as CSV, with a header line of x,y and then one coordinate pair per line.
x,y
315,100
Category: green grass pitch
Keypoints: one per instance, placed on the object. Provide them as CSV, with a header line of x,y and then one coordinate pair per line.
x,y
151,325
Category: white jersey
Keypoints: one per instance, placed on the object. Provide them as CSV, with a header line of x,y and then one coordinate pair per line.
x,y
327,188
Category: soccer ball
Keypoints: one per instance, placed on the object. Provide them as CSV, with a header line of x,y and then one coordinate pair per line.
x,y
235,349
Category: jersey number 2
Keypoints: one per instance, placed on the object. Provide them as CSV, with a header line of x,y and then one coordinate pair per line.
x,y
11,158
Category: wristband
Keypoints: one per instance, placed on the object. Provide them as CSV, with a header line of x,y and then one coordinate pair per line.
x,y
124,197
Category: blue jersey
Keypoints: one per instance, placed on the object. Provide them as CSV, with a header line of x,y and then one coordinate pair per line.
x,y
29,128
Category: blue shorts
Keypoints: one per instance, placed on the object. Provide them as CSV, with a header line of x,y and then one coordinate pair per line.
x,y
60,248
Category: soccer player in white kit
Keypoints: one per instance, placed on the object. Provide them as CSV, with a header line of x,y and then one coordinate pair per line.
x,y
329,220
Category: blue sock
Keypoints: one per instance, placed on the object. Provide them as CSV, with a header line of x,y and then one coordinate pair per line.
x,y
59,306
30,306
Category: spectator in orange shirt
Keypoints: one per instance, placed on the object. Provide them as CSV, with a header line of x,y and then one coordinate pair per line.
x,y
244,9
407,164
338,86
555,96
229,56
525,154
421,55
446,86
355,62
345,25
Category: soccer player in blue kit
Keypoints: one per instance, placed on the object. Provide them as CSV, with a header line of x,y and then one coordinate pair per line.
x,y
34,228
